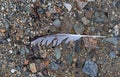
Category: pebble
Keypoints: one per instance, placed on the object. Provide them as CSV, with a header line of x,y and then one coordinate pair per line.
x,y
2,30
57,53
81,4
68,6
69,58
100,17
48,13
44,55
112,55
116,30
88,14
46,63
13,70
8,39
112,40
10,51
18,68
90,0
33,68
90,68
99,20
54,66
85,21
22,51
57,23
79,28
26,62
27,50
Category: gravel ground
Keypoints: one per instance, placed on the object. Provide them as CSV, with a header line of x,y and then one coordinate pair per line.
x,y
23,20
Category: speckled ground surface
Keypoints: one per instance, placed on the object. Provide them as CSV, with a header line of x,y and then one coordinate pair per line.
x,y
21,20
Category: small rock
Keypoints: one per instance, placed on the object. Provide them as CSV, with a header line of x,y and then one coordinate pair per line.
x,y
40,74
3,66
99,20
85,21
116,30
68,6
69,58
13,70
54,66
26,62
112,40
57,53
44,55
24,69
53,29
48,13
112,55
100,17
8,39
41,1
88,14
118,4
57,23
33,1
22,51
90,0
90,68
46,63
78,28
33,68
81,4
10,51
2,30
27,50
18,68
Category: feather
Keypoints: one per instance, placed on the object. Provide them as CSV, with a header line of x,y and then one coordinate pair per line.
x,y
57,39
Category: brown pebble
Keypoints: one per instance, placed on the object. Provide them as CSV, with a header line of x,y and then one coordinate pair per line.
x,y
53,29
24,69
26,62
44,55
48,13
3,66
33,68
46,62
88,14
2,30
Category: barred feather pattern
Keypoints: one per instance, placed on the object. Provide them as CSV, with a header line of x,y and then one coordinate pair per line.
x,y
57,39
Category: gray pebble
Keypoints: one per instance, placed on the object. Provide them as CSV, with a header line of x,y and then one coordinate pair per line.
x,y
79,28
112,55
22,51
85,21
112,40
90,68
27,50
69,58
54,66
57,23
100,17
99,20
57,53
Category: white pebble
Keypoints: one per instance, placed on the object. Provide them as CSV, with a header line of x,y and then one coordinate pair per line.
x,y
10,51
13,70
90,0
85,21
116,30
8,39
68,6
